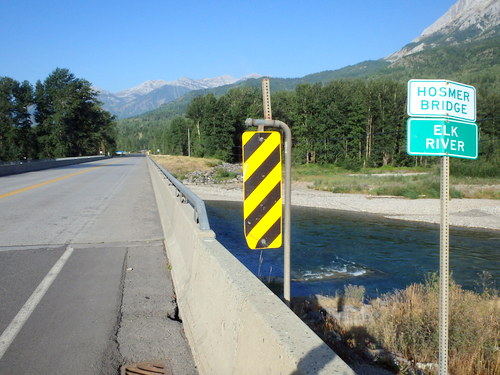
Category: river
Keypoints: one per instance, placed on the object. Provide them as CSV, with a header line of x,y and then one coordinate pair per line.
x,y
332,248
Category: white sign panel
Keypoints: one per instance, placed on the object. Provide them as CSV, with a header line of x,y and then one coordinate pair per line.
x,y
441,98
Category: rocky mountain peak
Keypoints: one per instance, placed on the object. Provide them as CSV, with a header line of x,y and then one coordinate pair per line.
x,y
479,14
466,20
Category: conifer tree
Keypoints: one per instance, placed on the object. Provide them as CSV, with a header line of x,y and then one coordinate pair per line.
x,y
16,136
70,119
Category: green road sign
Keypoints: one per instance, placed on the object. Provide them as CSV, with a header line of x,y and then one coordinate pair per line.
x,y
441,137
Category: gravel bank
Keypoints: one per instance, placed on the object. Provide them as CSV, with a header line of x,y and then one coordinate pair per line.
x,y
472,213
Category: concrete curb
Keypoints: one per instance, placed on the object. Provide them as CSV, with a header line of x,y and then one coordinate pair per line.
x,y
148,330
234,323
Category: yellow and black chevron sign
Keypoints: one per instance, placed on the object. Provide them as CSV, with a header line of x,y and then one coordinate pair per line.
x,y
262,206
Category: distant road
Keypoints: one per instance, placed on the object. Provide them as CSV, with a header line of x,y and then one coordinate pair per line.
x,y
77,222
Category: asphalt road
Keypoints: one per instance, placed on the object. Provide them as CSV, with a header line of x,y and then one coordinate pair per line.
x,y
84,286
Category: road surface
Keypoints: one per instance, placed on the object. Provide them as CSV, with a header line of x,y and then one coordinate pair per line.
x,y
83,280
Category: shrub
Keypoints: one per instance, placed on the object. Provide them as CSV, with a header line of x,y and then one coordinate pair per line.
x,y
222,174
354,295
354,165
473,169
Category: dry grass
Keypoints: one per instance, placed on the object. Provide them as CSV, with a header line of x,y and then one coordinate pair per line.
x,y
180,166
406,322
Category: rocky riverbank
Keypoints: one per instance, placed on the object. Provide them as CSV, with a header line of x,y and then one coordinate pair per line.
x,y
471,213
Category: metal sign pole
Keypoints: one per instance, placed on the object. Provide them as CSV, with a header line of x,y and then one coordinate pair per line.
x,y
444,251
287,214
266,99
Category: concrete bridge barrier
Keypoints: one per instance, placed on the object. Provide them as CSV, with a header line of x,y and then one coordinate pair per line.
x,y
233,322
37,165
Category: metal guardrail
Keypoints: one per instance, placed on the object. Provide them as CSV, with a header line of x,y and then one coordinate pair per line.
x,y
187,196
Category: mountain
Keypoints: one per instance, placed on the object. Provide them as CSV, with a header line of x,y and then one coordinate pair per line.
x,y
466,21
208,83
152,94
136,104
463,45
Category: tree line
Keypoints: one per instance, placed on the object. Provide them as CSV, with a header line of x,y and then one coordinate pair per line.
x,y
59,117
351,123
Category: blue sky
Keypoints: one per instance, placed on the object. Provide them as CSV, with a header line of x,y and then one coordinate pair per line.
x,y
117,44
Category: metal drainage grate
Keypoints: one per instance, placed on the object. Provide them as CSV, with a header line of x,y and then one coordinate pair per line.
x,y
146,368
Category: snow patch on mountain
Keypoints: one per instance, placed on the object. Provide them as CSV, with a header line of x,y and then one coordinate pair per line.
x,y
142,89
205,83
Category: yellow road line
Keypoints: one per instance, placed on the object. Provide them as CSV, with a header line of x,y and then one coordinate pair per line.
x,y
51,181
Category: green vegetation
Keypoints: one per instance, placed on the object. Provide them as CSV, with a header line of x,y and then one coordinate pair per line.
x,y
409,182
488,168
350,124
68,119
409,186
222,175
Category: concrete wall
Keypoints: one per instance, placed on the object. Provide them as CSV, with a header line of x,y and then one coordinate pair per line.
x,y
38,165
234,323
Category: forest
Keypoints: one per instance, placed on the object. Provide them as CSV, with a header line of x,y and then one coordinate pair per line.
x,y
352,117
59,117
351,123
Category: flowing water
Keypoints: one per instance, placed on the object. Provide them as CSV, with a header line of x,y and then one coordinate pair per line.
x,y
333,248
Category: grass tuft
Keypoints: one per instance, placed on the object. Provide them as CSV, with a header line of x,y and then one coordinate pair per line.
x,y
354,295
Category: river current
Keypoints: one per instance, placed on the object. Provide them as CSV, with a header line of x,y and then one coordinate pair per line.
x,y
332,248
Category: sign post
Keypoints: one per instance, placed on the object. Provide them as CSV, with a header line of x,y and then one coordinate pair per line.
x,y
271,202
442,124
444,268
